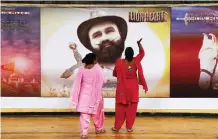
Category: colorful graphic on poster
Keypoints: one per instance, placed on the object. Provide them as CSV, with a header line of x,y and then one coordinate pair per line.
x,y
194,52
71,33
20,52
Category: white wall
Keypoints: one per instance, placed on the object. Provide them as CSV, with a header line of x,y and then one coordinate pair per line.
x,y
145,103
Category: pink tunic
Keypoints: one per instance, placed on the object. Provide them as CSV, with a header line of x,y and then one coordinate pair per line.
x,y
86,92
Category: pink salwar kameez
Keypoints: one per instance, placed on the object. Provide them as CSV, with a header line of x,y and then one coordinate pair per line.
x,y
86,95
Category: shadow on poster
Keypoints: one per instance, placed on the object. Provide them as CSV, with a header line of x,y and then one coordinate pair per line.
x,y
194,52
20,52
71,33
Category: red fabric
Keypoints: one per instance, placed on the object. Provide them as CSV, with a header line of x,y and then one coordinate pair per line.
x,y
128,91
131,84
125,112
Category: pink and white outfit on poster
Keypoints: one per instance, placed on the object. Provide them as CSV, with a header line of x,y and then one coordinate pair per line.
x,y
86,95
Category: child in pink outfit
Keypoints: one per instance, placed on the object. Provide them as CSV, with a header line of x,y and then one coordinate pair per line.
x,y
86,95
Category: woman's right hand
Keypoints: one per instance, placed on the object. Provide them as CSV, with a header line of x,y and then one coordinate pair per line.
x,y
139,41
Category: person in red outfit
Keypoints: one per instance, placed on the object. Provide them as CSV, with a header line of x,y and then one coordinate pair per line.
x,y
127,91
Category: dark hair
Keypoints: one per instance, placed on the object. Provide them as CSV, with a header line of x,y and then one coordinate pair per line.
x,y
129,53
89,58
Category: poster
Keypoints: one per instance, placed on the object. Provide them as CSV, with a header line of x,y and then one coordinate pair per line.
x,y
119,27
20,52
194,52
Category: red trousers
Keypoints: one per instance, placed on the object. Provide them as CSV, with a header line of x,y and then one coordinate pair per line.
x,y
125,112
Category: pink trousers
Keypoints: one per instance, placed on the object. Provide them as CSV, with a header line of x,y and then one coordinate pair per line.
x,y
98,119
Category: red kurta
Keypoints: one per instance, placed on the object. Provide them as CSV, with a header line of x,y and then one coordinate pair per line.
x,y
128,89
131,84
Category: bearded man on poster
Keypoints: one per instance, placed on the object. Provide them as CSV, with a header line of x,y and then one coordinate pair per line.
x,y
103,35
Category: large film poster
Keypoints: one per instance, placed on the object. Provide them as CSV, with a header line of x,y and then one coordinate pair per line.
x,y
20,52
194,52
91,30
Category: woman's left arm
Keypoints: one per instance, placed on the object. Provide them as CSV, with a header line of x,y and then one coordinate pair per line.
x,y
141,51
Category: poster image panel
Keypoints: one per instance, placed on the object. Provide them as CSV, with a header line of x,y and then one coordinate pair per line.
x,y
20,52
194,52
106,32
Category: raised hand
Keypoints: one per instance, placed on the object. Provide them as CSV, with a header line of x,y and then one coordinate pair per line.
x,y
139,41
72,46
